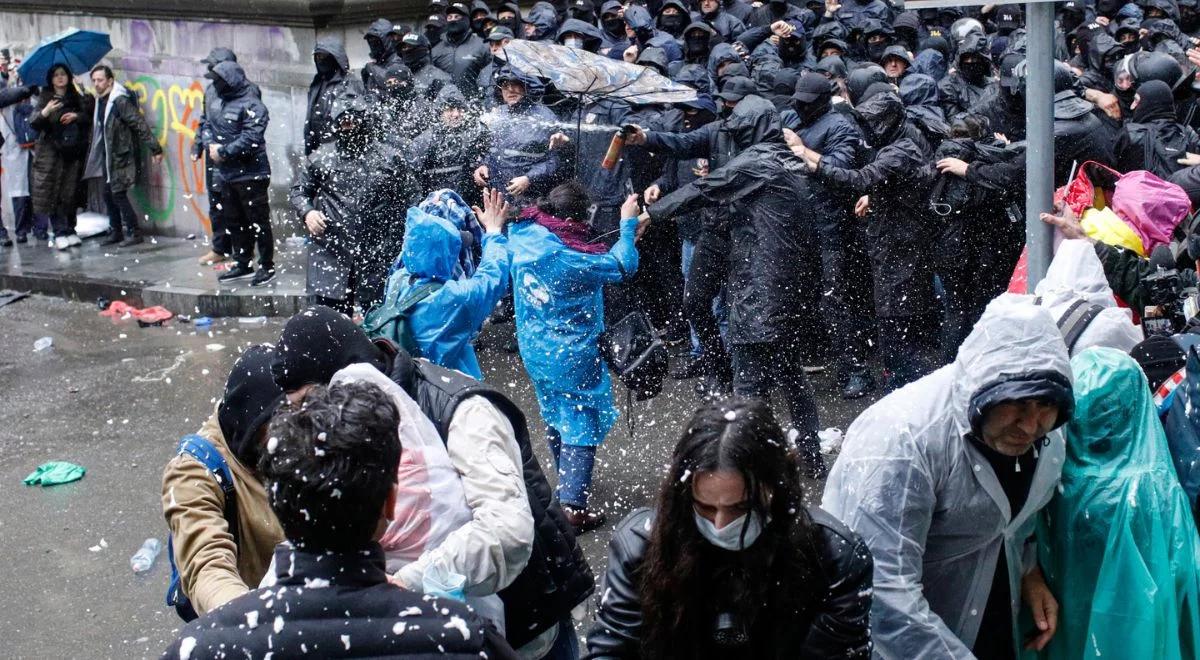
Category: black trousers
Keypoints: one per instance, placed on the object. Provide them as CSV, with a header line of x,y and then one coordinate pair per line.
x,y
759,368
248,213
122,219
706,275
222,240
846,306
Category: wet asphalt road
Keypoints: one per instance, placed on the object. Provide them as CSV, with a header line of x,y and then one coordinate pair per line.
x,y
115,398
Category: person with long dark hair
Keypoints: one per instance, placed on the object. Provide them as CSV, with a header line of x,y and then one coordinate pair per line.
x,y
730,562
62,118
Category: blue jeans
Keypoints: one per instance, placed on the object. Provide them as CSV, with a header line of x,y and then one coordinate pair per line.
x,y
685,260
575,464
566,645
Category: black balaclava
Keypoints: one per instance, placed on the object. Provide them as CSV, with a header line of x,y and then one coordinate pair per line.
x,y
810,111
251,398
317,343
974,72
456,29
378,48
222,87
793,50
326,65
883,118
1189,18
433,33
875,51
513,23
696,46
614,26
1155,101
673,24
415,58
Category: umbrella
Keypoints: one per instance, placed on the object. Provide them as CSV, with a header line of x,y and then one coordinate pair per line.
x,y
575,71
80,50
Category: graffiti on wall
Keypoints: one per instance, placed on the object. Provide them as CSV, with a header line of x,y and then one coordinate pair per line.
x,y
173,112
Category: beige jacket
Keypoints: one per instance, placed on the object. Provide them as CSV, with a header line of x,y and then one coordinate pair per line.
x,y
213,570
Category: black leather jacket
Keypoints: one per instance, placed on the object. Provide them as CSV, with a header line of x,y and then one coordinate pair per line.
x,y
840,627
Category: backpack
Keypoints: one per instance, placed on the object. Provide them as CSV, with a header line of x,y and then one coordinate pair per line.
x,y
202,450
390,320
635,352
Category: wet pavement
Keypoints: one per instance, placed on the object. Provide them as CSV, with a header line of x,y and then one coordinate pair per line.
x,y
115,398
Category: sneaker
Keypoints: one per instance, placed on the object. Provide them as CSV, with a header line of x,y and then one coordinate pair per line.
x,y
132,240
73,240
212,258
61,243
112,239
22,239
238,272
6,242
263,276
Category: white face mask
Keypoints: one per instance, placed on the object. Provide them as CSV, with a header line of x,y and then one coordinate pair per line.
x,y
729,537
573,42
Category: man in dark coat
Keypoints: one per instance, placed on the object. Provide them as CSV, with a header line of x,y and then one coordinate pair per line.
x,y
462,54
221,242
714,14
613,27
351,196
845,272
119,132
238,147
380,46
895,189
331,595
773,256
644,35
972,72
442,156
331,80
428,79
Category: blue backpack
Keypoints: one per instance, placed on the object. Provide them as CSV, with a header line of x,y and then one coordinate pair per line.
x,y
203,451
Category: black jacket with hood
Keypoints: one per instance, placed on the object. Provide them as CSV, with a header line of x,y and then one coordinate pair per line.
x,y
773,250
463,57
239,127
324,89
898,181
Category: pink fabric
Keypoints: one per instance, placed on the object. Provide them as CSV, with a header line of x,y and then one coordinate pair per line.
x,y
574,235
118,309
1150,206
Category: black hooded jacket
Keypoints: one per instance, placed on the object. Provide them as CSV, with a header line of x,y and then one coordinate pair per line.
x,y
463,58
324,89
251,398
239,128
898,182
773,250
1156,141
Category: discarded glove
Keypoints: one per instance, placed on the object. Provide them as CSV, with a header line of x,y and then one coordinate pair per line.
x,y
55,473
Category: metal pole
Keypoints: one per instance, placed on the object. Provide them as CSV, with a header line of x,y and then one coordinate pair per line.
x,y
1039,131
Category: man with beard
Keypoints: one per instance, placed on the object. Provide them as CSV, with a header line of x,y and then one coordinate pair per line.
x,y
772,256
349,196
462,54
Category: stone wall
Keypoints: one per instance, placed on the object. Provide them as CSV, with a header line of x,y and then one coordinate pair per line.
x,y
159,60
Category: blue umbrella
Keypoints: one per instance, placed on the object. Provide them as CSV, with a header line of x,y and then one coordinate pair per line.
x,y
80,50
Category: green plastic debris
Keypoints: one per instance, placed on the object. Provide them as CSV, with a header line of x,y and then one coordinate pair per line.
x,y
55,473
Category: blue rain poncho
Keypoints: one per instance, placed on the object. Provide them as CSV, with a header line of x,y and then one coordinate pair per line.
x,y
1118,544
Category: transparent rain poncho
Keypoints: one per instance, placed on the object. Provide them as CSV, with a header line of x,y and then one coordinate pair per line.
x,y
1118,544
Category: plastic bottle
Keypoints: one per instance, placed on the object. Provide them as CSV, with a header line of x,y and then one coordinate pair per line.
x,y
203,322
613,155
143,559
43,343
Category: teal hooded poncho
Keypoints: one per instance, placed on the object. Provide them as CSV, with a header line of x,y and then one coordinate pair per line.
x,y
1118,543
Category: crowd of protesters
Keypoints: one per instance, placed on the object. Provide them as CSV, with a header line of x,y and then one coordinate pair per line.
x,y
845,191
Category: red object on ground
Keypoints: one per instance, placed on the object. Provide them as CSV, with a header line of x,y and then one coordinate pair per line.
x,y
118,309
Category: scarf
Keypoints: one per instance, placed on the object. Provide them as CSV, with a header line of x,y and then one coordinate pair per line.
x,y
574,235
